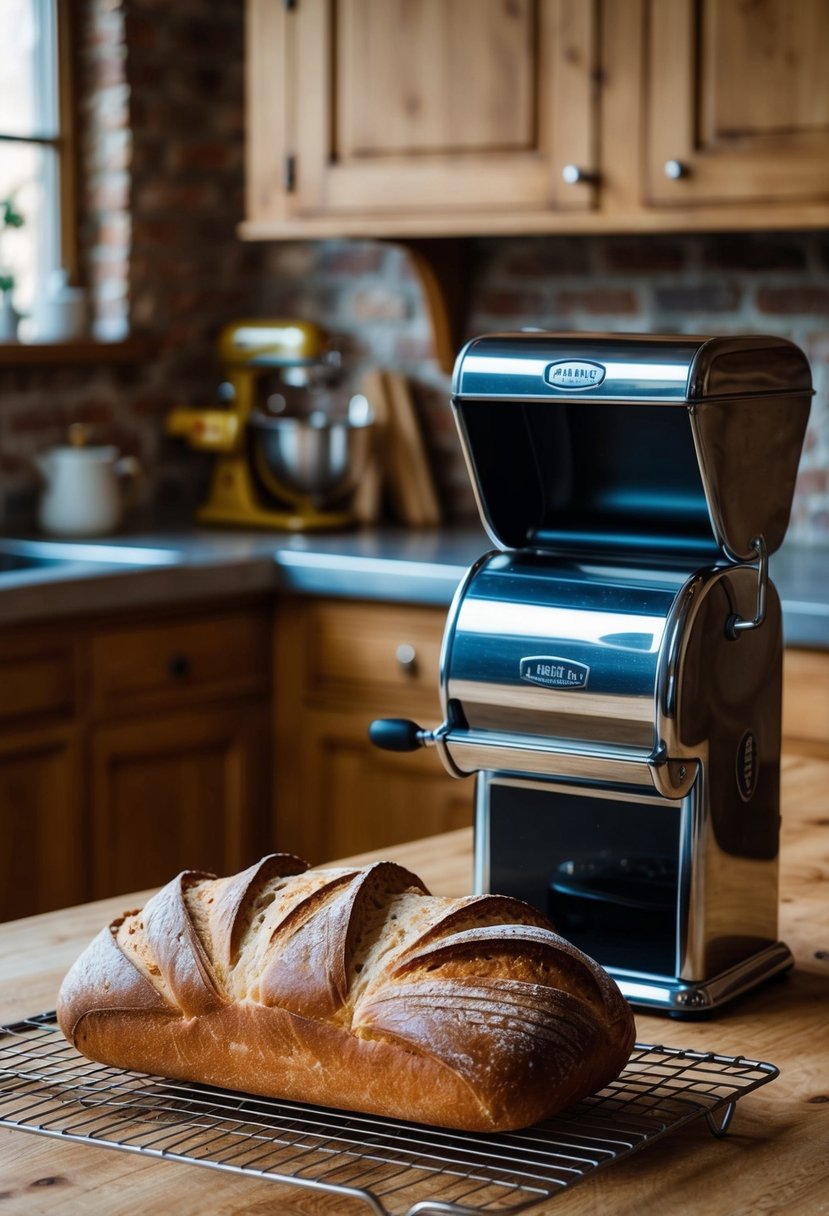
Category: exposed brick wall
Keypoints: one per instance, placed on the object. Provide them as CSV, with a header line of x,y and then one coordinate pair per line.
x,y
162,126
720,284
161,105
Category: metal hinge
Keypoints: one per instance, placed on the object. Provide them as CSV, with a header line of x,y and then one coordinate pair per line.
x,y
289,173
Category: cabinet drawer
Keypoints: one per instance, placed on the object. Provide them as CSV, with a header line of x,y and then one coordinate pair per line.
x,y
385,654
38,680
180,660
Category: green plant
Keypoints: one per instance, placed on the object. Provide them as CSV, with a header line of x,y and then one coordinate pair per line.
x,y
10,217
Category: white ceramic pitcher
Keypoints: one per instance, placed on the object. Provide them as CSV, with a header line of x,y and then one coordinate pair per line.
x,y
86,488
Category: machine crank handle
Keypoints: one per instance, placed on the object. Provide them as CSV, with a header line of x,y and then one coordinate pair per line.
x,y
399,735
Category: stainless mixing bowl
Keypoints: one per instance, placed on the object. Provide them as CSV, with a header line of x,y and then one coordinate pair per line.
x,y
310,462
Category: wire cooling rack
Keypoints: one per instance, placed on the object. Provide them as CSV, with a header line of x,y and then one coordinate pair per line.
x,y
395,1168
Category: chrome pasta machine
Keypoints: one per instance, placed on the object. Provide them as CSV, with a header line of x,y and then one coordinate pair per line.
x,y
612,671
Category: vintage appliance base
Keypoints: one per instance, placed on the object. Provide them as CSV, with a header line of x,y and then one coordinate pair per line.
x,y
682,998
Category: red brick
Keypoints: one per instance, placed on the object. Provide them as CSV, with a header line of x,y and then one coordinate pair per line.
x,y
802,299
541,258
699,297
511,303
597,301
643,255
139,35
37,418
753,251
210,155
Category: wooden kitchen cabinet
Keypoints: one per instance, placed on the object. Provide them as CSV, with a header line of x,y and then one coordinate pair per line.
x,y
738,105
42,811
179,773
176,792
132,748
424,118
338,665
43,861
399,108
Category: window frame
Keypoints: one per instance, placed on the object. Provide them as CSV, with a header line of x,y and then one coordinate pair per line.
x,y
64,142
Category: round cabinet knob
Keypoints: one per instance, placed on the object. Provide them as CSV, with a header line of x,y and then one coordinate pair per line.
x,y
178,666
674,169
574,175
406,656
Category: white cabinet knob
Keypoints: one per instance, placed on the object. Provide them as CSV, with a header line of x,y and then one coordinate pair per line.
x,y
675,169
406,656
574,175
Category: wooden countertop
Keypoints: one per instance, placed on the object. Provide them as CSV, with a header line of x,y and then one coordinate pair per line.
x,y
775,1158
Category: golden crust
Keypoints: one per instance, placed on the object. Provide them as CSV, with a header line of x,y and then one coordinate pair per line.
x,y
354,989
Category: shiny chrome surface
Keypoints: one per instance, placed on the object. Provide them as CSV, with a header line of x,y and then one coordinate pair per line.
x,y
672,367
607,623
705,934
613,674
307,462
560,431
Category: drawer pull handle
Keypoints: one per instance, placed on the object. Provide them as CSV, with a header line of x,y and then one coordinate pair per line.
x,y
575,175
179,666
406,656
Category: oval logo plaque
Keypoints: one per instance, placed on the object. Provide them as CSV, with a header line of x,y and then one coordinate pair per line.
x,y
574,375
553,672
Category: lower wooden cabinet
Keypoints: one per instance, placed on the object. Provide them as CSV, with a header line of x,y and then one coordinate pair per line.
x,y
338,665
180,791
133,746
43,861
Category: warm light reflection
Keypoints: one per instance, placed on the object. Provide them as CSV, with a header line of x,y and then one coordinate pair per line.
x,y
538,621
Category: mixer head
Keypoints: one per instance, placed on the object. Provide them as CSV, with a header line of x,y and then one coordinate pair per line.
x,y
271,342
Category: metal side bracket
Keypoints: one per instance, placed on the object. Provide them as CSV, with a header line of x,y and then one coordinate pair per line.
x,y
736,624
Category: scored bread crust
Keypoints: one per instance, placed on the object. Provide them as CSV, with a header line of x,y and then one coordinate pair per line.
x,y
350,988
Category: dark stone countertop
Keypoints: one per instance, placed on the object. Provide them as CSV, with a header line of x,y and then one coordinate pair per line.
x,y
161,564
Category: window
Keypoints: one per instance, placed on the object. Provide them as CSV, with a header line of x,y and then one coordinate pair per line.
x,y
36,152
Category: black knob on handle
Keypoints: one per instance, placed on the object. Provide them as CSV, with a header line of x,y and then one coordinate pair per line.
x,y
396,735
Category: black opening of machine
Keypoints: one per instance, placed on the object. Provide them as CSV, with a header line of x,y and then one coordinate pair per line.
x,y
612,671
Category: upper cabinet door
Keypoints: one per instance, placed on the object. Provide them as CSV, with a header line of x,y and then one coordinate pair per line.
x,y
738,101
441,107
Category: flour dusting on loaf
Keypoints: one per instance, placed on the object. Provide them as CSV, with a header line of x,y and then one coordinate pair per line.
x,y
351,988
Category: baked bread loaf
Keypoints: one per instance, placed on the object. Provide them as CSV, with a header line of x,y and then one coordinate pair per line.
x,y
350,988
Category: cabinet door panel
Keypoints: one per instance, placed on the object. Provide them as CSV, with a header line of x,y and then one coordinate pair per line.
x,y
183,792
410,105
365,799
43,846
418,78
739,97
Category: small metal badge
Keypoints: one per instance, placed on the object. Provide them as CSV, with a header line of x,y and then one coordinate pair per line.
x,y
747,766
574,375
553,672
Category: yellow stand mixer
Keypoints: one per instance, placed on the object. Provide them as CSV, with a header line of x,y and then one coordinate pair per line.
x,y
274,471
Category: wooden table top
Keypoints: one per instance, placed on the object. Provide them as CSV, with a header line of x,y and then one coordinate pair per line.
x,y
775,1158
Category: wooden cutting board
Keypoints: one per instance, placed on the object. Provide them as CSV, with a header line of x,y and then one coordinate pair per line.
x,y
403,469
